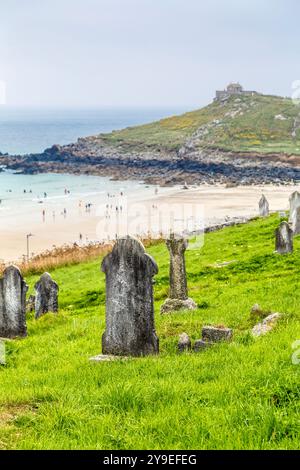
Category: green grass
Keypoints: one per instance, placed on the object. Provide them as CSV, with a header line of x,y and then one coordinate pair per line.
x,y
242,124
242,395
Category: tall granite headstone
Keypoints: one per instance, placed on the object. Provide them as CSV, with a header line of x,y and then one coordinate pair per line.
x,y
13,290
178,293
284,238
263,206
46,297
294,204
130,329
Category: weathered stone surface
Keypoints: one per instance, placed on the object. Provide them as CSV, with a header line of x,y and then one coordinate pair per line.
x,y
294,200
201,345
178,295
263,206
12,304
173,305
296,221
46,299
130,329
184,343
284,238
215,335
30,304
266,325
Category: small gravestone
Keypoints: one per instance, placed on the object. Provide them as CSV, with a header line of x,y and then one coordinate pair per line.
x,y
184,343
263,206
30,304
296,221
200,345
284,239
178,294
46,298
294,203
12,304
215,335
266,325
129,274
212,335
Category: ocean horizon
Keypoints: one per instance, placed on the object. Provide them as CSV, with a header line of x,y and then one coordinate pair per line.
x,y
32,130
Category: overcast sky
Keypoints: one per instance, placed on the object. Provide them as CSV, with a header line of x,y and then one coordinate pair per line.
x,y
145,52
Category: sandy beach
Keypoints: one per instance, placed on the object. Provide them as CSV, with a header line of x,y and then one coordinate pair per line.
x,y
136,214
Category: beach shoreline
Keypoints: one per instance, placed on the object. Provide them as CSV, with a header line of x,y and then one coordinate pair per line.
x,y
143,208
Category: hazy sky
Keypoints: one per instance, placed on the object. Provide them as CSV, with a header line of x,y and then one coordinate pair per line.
x,y
145,52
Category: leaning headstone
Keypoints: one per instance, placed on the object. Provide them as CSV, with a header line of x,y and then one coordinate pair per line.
x,y
294,200
130,329
184,343
263,206
13,290
178,294
284,238
46,298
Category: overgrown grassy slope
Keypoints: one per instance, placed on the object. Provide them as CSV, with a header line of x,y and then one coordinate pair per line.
x,y
242,395
256,123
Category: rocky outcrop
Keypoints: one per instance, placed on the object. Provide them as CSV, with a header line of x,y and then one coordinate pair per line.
x,y
158,166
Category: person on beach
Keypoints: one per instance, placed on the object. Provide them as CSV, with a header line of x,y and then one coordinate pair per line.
x,y
44,215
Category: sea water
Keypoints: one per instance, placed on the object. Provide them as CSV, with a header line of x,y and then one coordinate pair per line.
x,y
25,131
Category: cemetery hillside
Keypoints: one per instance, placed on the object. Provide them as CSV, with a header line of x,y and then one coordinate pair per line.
x,y
239,393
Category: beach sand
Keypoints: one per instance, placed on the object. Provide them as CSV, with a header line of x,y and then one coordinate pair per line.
x,y
215,204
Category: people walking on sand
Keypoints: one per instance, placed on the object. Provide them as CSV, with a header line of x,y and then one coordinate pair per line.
x,y
80,237
65,212
44,215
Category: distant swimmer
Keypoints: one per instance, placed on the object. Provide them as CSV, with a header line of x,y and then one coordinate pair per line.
x,y
45,194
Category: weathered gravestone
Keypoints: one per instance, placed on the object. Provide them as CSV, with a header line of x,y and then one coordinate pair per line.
x,y
130,329
296,221
284,238
46,297
294,204
178,294
263,206
13,290
184,343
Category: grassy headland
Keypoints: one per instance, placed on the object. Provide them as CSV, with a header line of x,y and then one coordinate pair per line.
x,y
242,395
257,123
